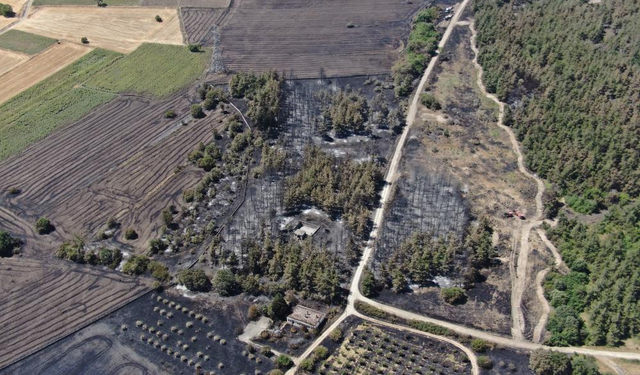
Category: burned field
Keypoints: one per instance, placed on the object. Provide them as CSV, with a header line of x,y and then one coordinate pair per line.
x,y
367,348
88,175
156,334
459,175
43,301
311,38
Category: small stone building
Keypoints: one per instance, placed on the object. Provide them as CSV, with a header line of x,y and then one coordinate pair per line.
x,y
306,230
307,317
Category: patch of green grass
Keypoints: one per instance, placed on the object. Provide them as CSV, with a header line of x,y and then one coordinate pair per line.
x,y
85,2
38,111
153,69
20,41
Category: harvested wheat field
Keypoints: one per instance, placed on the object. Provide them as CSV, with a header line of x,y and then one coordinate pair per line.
x,y
9,60
43,301
120,161
39,67
114,28
309,38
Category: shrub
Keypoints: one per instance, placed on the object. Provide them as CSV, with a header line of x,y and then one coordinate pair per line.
x,y
336,335
158,18
253,313
195,47
6,10
136,265
265,350
196,111
453,295
479,345
321,352
430,102
110,258
130,234
275,372
195,280
156,245
225,283
7,244
43,226
544,362
284,362
485,362
431,328
170,114
84,40
14,191
307,364
159,271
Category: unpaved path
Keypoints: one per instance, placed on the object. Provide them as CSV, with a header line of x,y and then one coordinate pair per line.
x,y
519,284
537,332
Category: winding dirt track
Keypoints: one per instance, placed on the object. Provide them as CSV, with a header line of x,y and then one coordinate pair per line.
x,y
390,176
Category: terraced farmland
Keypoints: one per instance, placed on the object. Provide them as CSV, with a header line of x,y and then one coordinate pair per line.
x,y
44,300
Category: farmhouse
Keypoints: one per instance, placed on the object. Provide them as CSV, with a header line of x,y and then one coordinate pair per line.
x,y
306,230
304,316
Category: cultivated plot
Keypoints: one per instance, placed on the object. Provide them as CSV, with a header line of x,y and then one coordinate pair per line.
x,y
44,300
19,41
308,39
118,29
10,59
38,68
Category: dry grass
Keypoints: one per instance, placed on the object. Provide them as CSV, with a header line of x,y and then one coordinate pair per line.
x,y
38,68
118,29
9,60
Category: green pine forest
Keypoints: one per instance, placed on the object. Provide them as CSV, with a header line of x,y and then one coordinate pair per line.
x,y
570,72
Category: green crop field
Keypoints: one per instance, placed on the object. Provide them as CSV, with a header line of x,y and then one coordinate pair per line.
x,y
152,69
21,41
38,111
85,2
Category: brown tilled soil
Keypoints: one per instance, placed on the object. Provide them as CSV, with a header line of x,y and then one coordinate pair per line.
x,y
186,3
45,300
310,38
199,24
123,160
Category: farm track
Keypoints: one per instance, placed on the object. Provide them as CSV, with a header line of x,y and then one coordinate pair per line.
x,y
119,161
48,300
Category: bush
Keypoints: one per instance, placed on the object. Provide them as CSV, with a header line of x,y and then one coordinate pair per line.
x,y
14,191
130,234
453,295
432,328
196,111
158,18
156,245
485,362
136,265
110,258
225,283
479,345
275,372
307,365
195,280
84,40
159,271
7,244
43,226
284,362
195,47
321,352
430,102
544,362
170,114
253,313
336,335
6,10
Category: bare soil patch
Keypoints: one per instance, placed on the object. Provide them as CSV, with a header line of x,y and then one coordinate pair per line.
x,y
44,300
125,160
115,28
314,38
39,67
10,59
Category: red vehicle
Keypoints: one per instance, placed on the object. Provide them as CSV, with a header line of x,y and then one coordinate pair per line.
x,y
514,213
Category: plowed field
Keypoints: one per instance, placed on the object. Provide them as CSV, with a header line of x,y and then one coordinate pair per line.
x,y
118,162
114,28
309,38
45,300
38,68
199,24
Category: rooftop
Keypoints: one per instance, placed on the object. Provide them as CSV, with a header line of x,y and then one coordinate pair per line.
x,y
307,315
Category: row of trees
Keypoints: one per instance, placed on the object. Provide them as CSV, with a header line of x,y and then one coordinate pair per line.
x,y
573,69
423,43
604,260
339,187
